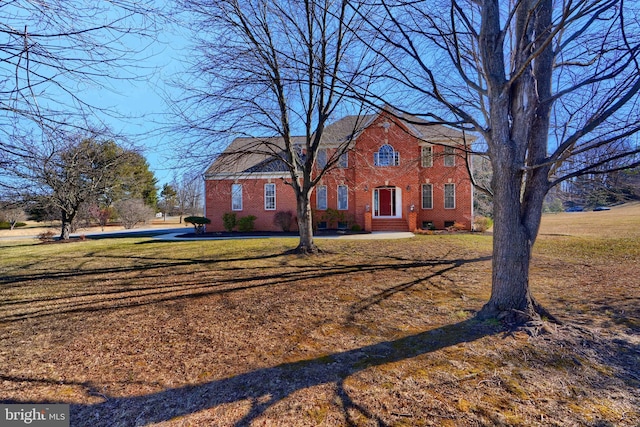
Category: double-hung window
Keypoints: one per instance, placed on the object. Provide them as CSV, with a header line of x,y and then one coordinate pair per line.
x,y
343,198
343,162
270,197
321,159
321,197
427,196
236,197
449,196
449,156
426,156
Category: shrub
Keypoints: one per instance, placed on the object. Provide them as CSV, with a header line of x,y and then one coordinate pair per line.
x,y
229,221
132,212
356,227
284,220
482,223
198,222
424,232
457,226
46,236
246,223
332,217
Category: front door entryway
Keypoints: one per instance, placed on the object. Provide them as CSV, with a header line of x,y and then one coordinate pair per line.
x,y
385,202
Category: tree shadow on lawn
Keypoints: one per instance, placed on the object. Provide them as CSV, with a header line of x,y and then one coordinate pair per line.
x,y
154,284
264,388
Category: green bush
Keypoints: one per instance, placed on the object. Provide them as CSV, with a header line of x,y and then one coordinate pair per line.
x,y
229,221
246,223
356,227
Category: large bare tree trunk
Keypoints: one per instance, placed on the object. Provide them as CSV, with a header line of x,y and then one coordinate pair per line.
x,y
512,244
517,216
519,117
65,229
305,224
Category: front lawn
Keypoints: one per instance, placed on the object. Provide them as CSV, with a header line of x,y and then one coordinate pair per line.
x,y
137,332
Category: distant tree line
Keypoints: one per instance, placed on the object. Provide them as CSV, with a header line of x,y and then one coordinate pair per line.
x,y
585,191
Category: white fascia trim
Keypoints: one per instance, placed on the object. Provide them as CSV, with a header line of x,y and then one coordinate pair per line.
x,y
246,176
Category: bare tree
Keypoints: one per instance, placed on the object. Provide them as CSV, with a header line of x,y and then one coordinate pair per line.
x,y
273,70
187,195
132,212
12,213
54,52
71,173
100,214
542,82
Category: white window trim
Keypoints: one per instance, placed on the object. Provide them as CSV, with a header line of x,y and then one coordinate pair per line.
x,y
265,197
422,196
326,204
236,194
454,196
322,158
423,157
451,155
343,161
395,158
338,198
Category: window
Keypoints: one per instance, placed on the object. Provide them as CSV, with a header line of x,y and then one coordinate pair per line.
x,y
427,156
236,197
343,162
386,156
343,198
321,160
427,196
270,197
449,156
321,197
449,196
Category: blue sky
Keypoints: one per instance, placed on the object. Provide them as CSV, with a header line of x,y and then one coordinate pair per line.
x,y
145,107
58,70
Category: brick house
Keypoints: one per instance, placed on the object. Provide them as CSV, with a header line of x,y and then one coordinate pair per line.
x,y
397,174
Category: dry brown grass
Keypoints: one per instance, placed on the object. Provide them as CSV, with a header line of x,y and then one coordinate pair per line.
x,y
34,228
231,333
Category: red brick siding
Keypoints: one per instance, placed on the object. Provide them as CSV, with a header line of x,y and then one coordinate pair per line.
x,y
218,202
362,177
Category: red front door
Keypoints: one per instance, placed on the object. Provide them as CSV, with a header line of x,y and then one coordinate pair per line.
x,y
386,201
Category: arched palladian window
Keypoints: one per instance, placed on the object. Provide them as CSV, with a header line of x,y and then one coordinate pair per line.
x,y
386,156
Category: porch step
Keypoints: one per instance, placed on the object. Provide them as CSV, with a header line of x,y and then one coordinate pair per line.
x,y
392,224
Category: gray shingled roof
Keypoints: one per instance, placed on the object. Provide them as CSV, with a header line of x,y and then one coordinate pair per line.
x,y
250,155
